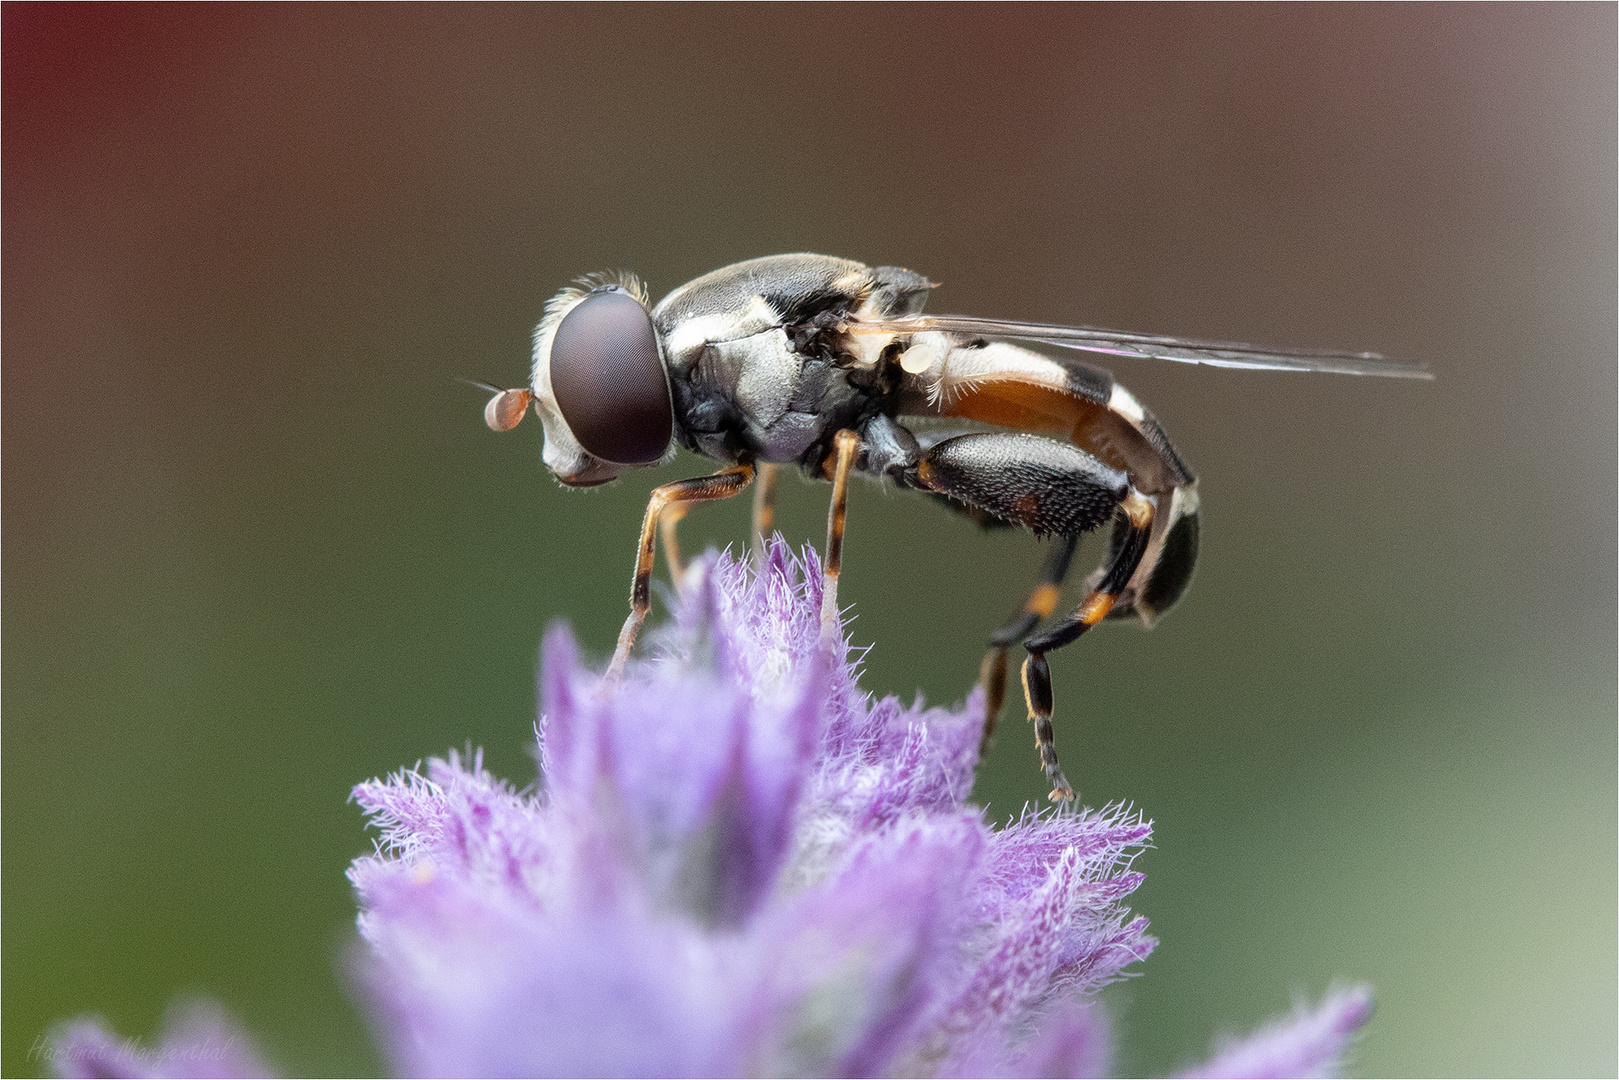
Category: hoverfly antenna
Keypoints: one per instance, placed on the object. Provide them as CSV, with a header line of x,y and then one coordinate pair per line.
x,y
507,408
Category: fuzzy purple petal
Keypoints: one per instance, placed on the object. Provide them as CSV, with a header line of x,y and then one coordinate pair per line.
x,y
1310,1042
1075,1040
863,962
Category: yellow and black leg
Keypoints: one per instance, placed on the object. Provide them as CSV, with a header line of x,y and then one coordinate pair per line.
x,y
845,449
764,504
1138,511
1041,603
722,485
1056,489
764,520
668,522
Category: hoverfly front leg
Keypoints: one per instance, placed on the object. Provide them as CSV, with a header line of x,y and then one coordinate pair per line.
x,y
764,520
845,449
668,523
1041,603
721,485
764,504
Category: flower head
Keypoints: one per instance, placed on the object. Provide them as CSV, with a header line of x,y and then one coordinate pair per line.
x,y
736,863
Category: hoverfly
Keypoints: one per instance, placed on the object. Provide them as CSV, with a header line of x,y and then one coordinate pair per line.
x,y
823,363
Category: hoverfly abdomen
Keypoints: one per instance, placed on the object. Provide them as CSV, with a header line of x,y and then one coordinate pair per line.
x,y
1172,569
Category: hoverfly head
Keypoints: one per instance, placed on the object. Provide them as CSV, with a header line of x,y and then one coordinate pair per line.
x,y
599,382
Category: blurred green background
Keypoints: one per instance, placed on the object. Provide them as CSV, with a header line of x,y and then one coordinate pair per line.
x,y
259,546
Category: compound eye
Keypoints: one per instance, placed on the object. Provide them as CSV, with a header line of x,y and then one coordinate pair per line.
x,y
608,381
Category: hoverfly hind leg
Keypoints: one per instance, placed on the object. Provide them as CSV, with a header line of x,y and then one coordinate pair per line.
x,y
1037,691
1041,603
1048,487
1138,512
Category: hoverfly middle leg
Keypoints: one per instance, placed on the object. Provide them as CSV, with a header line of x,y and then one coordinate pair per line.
x,y
845,449
1041,603
721,485
764,504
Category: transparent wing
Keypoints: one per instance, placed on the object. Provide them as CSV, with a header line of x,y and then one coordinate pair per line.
x,y
1226,354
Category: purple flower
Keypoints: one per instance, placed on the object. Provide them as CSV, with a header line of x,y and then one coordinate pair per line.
x,y
737,863
199,1039
1311,1042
